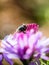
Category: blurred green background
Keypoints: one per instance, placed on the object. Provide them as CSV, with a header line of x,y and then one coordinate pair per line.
x,y
16,12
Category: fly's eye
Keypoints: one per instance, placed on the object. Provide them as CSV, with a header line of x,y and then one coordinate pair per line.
x,y
22,28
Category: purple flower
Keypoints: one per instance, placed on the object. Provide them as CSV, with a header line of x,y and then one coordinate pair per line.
x,y
26,45
23,46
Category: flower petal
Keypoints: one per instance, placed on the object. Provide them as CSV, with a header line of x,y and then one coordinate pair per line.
x,y
1,63
7,59
1,57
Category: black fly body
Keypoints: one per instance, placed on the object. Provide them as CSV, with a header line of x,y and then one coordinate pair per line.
x,y
22,28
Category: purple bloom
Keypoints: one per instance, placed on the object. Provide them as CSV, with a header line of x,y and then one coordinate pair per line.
x,y
25,45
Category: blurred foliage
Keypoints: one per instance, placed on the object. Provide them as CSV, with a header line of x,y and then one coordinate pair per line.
x,y
37,10
48,62
1,37
16,64
44,62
